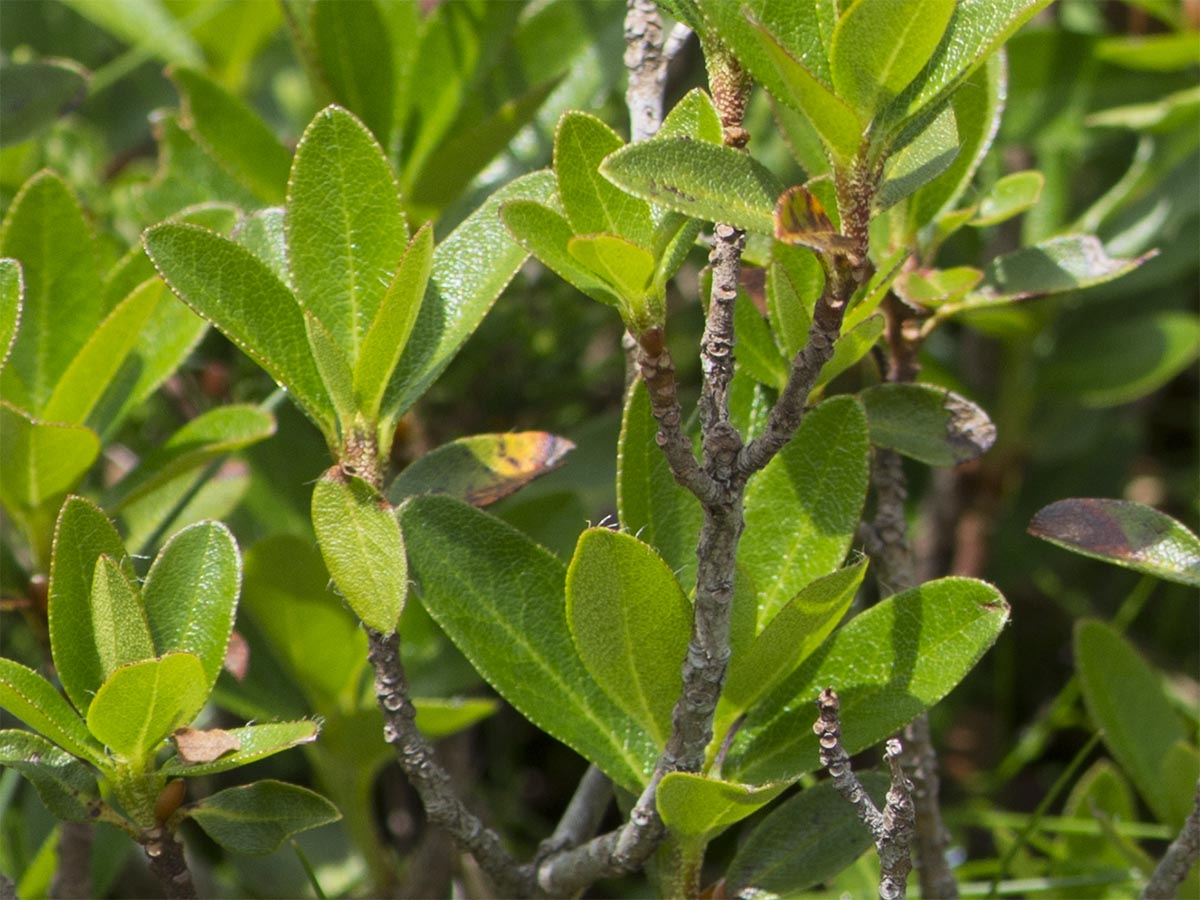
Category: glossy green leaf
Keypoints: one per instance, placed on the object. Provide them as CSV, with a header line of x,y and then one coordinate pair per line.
x,y
36,93
256,742
805,33
1010,196
1128,534
41,461
1119,362
1161,116
32,699
674,237
699,807
355,56
83,533
793,284
933,287
930,424
482,468
878,49
701,180
693,116
89,374
852,346
257,818
628,269
209,436
238,293
1126,701
1180,774
346,232
438,717
630,622
12,289
791,636
593,205
334,369
309,630
361,543
393,323
1151,52
470,268
888,664
499,597
46,232
233,134
546,234
771,862
191,594
977,104
803,508
916,164
119,627
796,83
67,787
141,703
264,233
145,24
650,503
756,349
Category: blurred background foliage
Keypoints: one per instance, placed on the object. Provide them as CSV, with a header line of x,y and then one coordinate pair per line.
x,y
1094,393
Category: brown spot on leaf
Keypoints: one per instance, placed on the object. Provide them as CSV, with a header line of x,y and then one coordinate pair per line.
x,y
196,746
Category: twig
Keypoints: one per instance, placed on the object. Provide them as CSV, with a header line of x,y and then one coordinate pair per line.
x,y
583,814
1173,868
8,890
73,877
165,854
891,828
647,65
427,776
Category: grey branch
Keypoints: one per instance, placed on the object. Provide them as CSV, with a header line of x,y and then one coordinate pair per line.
x,y
583,814
427,776
167,862
892,827
647,65
1173,868
73,877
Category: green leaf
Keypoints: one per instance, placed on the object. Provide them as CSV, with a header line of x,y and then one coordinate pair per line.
x,y
141,703
756,349
144,24
852,346
119,627
1101,792
12,289
470,268
547,235
438,717
95,366
191,595
930,424
1128,534
791,636
630,622
33,700
36,93
82,535
256,742
933,287
361,543
977,104
499,597
698,807
1125,699
793,284
346,232
701,180
1010,196
771,862
916,164
41,461
233,134
1162,116
879,48
888,664
46,232
318,641
209,436
1122,361
67,787
693,116
257,818
1180,773
393,323
674,238
355,56
238,293
628,269
482,468
591,203
650,503
803,508
334,369
264,233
